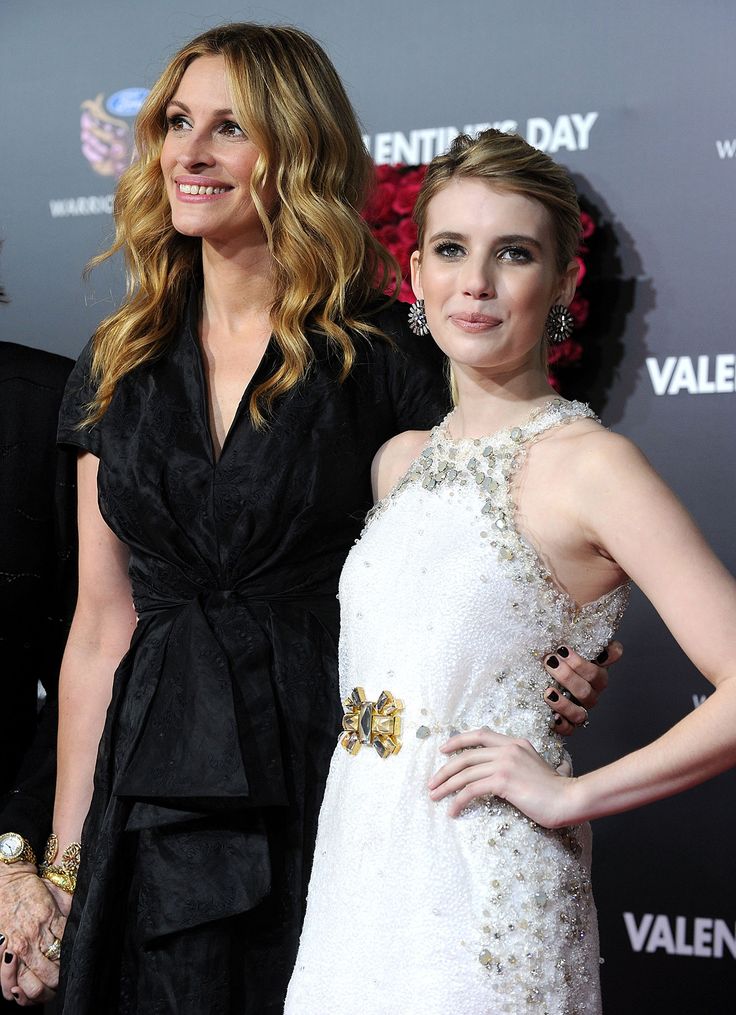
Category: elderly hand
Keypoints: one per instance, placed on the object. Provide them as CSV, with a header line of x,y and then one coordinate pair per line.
x,y
30,921
583,682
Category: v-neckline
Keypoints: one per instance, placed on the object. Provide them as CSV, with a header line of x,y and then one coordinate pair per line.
x,y
205,394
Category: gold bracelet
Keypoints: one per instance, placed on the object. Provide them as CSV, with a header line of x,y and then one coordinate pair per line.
x,y
64,873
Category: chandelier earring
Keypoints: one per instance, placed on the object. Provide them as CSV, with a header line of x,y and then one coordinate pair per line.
x,y
418,319
559,324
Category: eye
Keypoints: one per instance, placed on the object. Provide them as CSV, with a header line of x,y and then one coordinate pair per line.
x,y
449,249
176,123
230,129
516,255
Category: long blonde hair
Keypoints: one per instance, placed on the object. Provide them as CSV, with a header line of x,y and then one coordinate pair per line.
x,y
328,268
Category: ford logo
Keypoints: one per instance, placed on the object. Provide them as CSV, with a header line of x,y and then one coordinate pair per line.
x,y
126,102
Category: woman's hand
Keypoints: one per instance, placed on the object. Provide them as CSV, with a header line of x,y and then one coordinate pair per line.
x,y
491,764
30,920
583,680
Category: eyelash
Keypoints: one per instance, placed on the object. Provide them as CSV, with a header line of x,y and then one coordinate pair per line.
x,y
522,255
445,246
176,122
450,250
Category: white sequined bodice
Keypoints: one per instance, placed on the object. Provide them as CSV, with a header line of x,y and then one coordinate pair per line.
x,y
446,606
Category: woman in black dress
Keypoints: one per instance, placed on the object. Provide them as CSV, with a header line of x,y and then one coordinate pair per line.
x,y
227,416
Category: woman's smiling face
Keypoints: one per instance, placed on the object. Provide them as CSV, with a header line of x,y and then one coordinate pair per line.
x,y
488,276
207,159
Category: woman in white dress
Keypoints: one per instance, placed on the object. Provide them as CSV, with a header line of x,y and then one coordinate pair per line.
x,y
452,867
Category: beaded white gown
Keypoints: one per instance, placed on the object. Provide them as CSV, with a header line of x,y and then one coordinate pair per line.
x,y
446,607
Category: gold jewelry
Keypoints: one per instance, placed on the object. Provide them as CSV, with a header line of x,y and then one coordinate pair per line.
x,y
53,952
374,723
63,874
14,848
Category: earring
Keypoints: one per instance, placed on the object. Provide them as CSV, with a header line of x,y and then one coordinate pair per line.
x,y
418,319
559,324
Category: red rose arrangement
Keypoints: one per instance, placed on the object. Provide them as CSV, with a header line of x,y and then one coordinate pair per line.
x,y
388,213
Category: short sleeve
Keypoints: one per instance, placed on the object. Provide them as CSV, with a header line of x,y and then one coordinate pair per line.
x,y
417,380
79,392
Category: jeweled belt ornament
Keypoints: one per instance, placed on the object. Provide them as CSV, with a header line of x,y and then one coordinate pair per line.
x,y
372,723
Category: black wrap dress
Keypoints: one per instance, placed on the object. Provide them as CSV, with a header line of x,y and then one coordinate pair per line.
x,y
224,714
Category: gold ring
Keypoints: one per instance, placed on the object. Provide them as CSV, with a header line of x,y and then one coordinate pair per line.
x,y
54,950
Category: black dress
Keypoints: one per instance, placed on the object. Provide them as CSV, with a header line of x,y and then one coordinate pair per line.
x,y
225,711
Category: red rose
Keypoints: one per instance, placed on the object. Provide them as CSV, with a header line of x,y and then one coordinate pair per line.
x,y
387,235
586,224
405,198
407,231
579,309
379,206
387,174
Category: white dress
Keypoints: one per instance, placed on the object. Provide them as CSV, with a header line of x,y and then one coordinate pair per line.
x,y
446,607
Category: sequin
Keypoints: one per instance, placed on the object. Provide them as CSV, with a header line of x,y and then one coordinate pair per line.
x,y
463,613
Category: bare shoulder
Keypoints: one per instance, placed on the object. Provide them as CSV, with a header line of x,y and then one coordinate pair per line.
x,y
592,452
584,449
393,459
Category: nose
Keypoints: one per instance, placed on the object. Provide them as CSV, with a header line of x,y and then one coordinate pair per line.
x,y
195,152
477,280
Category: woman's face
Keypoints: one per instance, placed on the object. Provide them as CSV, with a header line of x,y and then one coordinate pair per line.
x,y
488,276
207,160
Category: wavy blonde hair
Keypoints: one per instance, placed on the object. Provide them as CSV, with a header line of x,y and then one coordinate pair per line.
x,y
328,267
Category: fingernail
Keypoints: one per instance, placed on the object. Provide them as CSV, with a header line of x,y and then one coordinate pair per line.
x,y
2,940
553,696
558,720
562,651
601,657
8,957
553,662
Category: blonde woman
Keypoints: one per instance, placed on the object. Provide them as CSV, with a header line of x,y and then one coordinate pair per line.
x,y
452,864
226,416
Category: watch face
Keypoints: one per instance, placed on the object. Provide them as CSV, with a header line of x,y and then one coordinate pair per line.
x,y
11,846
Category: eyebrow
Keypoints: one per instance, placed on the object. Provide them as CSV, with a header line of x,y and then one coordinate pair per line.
x,y
510,238
182,105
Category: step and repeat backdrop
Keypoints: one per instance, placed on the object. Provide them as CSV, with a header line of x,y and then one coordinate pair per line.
x,y
637,101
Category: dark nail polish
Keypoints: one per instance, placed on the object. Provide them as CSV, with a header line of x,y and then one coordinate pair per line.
x,y
553,696
601,658
553,662
558,720
562,651
8,957
2,940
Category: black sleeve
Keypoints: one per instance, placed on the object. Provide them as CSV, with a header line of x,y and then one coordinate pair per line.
x,y
80,390
417,379
43,604
29,807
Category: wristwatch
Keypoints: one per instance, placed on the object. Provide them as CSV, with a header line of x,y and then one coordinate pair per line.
x,y
13,848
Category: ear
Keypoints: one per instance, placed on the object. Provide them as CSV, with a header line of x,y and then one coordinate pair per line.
x,y
568,281
416,275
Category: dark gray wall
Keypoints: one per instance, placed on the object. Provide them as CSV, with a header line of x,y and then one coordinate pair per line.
x,y
656,163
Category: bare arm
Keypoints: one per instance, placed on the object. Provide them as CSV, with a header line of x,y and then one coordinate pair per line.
x,y
659,545
103,623
627,511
